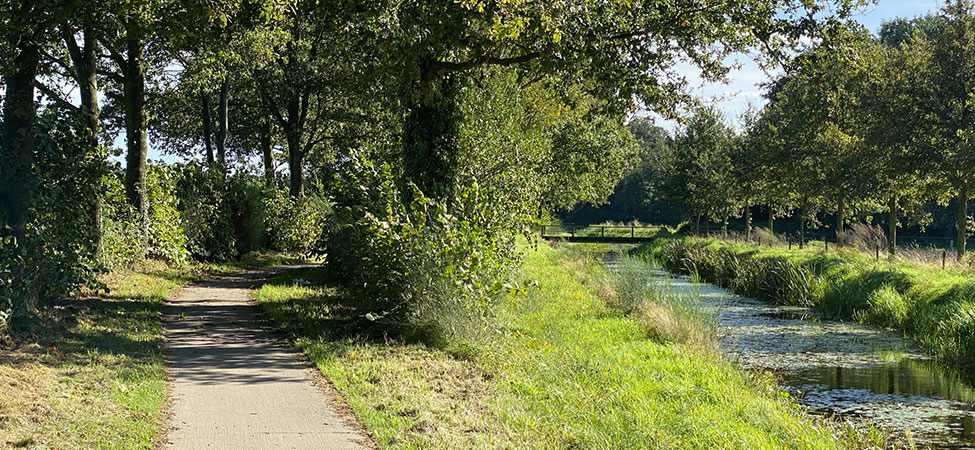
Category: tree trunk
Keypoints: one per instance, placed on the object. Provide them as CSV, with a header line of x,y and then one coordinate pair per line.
x,y
84,60
724,227
697,227
266,151
840,219
892,226
223,123
207,127
295,158
135,121
962,222
802,227
748,221
430,135
771,219
17,151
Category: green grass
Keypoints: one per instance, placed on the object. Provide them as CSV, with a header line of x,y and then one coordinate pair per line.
x,y
555,368
934,306
88,372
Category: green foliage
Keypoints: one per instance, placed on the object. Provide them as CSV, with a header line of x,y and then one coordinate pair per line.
x,y
128,241
205,216
165,236
294,224
417,265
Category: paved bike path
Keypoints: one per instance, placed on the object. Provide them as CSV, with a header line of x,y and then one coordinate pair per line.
x,y
236,384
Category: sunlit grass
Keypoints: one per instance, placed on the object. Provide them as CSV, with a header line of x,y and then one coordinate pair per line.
x,y
558,369
89,372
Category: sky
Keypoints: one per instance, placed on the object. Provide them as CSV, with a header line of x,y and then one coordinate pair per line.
x,y
744,84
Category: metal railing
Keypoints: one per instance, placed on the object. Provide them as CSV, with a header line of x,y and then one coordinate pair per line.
x,y
598,231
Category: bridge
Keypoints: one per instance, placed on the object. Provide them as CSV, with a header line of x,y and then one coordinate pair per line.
x,y
607,234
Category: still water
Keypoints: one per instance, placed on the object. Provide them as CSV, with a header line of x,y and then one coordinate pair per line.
x,y
840,368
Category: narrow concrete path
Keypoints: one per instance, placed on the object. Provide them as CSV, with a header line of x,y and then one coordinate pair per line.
x,y
236,384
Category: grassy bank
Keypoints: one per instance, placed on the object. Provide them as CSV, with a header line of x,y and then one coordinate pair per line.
x,y
934,306
555,368
88,372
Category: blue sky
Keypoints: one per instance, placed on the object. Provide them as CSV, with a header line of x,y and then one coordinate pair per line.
x,y
744,84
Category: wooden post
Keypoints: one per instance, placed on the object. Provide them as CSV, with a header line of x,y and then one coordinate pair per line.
x,y
944,257
878,253
572,230
789,240
543,230
632,231
602,231
826,241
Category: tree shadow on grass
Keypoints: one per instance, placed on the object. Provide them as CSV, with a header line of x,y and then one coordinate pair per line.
x,y
70,332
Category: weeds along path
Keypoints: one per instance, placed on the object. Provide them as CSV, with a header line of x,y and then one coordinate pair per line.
x,y
236,384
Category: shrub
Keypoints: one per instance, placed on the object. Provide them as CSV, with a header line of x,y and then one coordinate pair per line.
x,y
126,240
294,225
416,268
205,213
166,238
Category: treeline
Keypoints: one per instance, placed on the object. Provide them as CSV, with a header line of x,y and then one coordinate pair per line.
x,y
427,134
858,126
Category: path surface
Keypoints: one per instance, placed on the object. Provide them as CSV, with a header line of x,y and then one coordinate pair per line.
x,y
237,385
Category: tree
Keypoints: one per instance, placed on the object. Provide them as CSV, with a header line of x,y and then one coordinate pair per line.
x,y
947,105
312,81
129,28
627,48
700,169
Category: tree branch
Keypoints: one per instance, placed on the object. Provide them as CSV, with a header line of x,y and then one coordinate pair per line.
x,y
55,97
446,66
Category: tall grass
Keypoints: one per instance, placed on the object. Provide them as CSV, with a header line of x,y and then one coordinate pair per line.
x,y
664,314
935,307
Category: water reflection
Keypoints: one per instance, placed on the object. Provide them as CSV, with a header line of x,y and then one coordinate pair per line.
x,y
842,368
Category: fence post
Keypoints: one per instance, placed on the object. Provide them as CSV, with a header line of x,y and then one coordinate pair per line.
x,y
789,240
632,231
878,253
543,230
602,231
826,241
944,257
572,230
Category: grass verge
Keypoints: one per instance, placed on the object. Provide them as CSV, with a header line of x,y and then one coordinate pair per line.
x,y
88,372
933,306
557,368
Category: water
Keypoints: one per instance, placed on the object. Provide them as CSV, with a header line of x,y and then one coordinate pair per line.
x,y
840,368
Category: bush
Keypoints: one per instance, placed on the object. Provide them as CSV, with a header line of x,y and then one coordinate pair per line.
x,y
415,268
57,255
205,213
127,241
294,225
